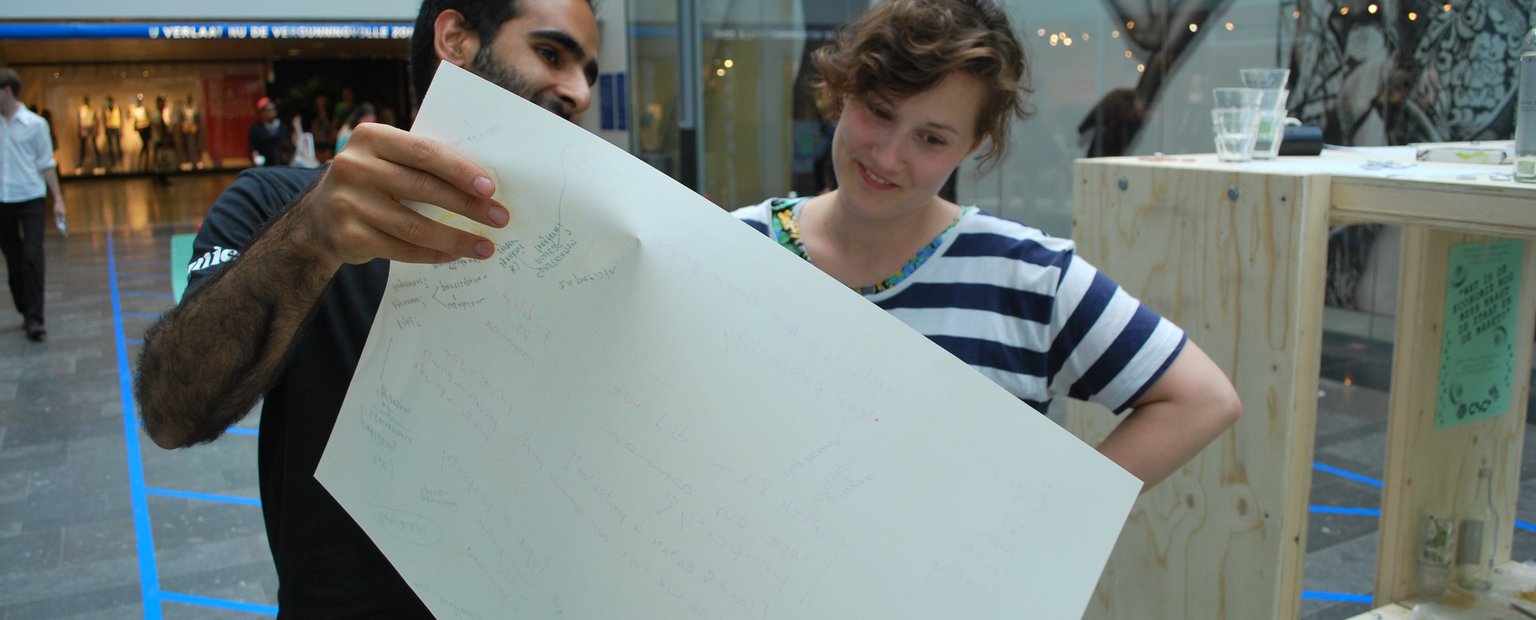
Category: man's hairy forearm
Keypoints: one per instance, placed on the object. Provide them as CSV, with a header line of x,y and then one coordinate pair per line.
x,y
206,362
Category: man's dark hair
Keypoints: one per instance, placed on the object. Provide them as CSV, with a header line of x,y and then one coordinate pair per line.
x,y
485,16
9,79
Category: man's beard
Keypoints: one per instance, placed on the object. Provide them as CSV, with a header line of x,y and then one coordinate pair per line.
x,y
487,66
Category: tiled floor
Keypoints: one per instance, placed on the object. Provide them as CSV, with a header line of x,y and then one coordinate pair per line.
x,y
96,522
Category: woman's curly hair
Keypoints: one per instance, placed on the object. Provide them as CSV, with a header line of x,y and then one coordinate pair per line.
x,y
900,48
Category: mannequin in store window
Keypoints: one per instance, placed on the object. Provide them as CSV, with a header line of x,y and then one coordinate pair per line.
x,y
140,115
89,122
112,122
173,140
191,133
53,139
164,154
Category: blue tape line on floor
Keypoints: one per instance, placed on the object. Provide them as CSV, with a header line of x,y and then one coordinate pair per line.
x,y
1336,596
235,430
149,575
1344,473
204,601
1345,510
204,497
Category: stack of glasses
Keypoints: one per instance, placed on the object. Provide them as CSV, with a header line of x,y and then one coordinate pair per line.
x,y
1249,122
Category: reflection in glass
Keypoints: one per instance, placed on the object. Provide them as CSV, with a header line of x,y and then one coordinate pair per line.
x,y
761,130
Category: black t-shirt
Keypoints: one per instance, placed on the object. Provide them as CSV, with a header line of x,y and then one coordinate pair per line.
x,y
326,566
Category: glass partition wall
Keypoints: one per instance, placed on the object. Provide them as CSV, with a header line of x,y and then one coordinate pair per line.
x,y
1114,77
1110,78
756,132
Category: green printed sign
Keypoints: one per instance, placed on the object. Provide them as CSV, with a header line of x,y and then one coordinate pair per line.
x,y
1477,359
181,256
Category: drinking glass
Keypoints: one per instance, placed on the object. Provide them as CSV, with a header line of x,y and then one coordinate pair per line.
x,y
1266,144
1236,130
1271,85
1236,97
1265,79
1437,540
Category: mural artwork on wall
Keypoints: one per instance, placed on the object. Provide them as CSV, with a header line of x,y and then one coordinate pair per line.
x,y
1411,71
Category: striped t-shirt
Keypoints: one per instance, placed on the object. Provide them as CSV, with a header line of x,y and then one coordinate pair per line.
x,y
1021,307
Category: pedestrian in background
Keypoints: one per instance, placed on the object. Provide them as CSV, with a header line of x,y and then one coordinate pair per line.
x,y
28,178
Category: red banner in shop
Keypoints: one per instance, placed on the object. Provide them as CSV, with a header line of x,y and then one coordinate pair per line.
x,y
231,110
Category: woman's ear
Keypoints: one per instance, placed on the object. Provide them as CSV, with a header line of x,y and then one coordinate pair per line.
x,y
453,39
976,145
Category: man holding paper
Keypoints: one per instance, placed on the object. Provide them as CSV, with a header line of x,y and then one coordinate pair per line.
x,y
288,273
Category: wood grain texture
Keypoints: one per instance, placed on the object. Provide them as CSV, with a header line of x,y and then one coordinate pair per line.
x,y
1482,206
1234,258
1393,611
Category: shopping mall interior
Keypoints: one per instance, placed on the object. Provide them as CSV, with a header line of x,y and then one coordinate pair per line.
x,y
150,116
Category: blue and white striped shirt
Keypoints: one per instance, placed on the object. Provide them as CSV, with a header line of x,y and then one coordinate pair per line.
x,y
1023,309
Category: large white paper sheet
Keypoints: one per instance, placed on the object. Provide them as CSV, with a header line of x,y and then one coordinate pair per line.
x,y
642,408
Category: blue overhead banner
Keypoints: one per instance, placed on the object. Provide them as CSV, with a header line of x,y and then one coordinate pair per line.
x,y
209,30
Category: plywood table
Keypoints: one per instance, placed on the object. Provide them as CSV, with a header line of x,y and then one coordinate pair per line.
x,y
1235,253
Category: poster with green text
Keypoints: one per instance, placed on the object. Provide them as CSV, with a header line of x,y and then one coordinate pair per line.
x,y
1477,358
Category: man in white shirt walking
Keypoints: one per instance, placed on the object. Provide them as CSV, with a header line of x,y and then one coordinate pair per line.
x,y
28,178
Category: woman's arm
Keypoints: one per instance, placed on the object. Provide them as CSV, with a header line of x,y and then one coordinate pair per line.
x,y
1183,412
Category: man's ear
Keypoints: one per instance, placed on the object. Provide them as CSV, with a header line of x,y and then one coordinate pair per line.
x,y
453,39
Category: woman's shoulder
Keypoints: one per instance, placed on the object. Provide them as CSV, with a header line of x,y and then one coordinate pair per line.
x,y
1007,236
761,211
